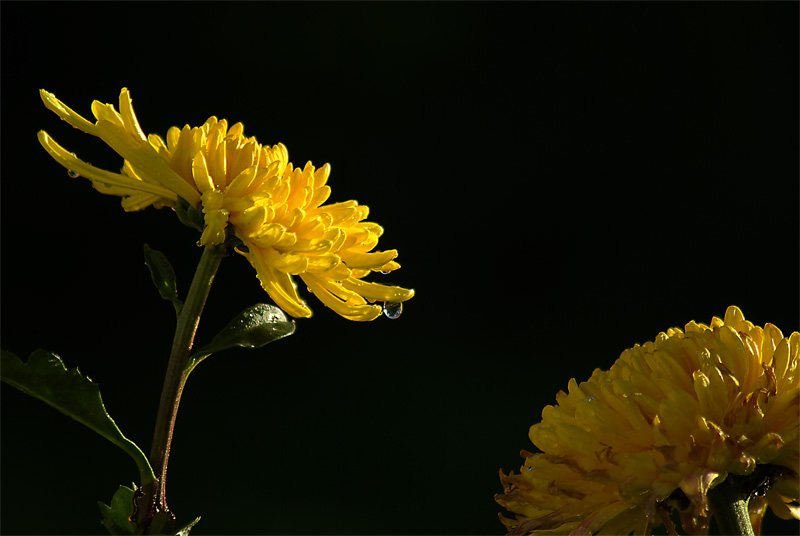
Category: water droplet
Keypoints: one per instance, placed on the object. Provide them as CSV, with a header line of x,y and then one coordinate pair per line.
x,y
72,174
392,310
384,272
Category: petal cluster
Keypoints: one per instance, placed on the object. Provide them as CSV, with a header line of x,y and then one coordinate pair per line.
x,y
667,422
277,211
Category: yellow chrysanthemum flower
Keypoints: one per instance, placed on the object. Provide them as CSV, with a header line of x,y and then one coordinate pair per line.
x,y
669,421
275,210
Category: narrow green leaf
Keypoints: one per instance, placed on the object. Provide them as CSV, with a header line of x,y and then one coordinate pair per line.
x,y
117,517
188,215
163,277
184,531
45,377
254,327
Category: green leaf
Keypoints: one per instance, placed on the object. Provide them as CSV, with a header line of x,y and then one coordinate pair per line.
x,y
254,327
188,215
163,277
45,377
184,531
117,517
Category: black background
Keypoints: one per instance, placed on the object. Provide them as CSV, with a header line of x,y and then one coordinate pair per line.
x,y
562,180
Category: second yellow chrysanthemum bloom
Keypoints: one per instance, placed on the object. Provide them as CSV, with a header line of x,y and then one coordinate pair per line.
x,y
669,421
275,210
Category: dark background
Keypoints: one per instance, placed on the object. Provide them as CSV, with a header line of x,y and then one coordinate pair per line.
x,y
562,180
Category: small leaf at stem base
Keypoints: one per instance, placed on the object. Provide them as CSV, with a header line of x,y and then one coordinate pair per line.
x,y
117,517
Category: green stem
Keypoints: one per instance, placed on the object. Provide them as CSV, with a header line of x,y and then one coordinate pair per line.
x,y
728,501
154,497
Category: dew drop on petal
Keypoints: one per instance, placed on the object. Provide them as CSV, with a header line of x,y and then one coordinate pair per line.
x,y
392,310
72,174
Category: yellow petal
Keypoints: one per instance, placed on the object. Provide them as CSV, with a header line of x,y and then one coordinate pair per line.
x,y
137,201
66,113
286,262
71,162
373,261
243,159
375,291
217,152
128,117
106,112
279,286
236,131
320,196
200,174
358,313
146,160
327,262
250,221
242,182
321,176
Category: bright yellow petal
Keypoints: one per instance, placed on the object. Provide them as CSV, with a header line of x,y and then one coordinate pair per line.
x,y
200,173
376,291
359,313
146,160
372,261
279,286
66,113
128,117
71,162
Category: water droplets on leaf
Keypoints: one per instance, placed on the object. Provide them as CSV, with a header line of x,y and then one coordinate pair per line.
x,y
392,310
73,174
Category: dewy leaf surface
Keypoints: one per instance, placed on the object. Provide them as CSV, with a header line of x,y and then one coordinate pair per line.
x,y
254,327
45,377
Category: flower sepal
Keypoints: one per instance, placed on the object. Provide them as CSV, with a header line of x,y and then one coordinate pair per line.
x,y
188,215
254,327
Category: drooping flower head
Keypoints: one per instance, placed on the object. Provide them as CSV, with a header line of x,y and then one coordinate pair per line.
x,y
669,421
274,209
